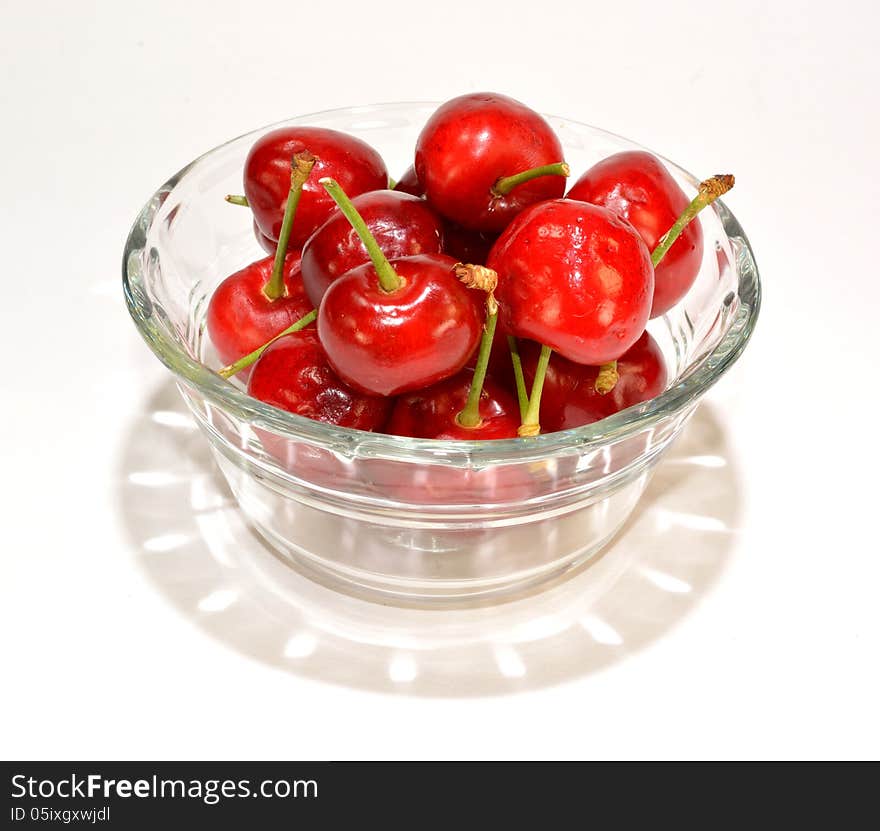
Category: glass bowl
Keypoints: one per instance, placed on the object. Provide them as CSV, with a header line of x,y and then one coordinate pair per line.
x,y
413,520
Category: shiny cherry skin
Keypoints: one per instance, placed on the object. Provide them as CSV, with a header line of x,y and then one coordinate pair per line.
x,y
569,398
637,187
241,318
403,226
353,163
465,245
470,143
575,277
409,183
293,374
431,413
388,343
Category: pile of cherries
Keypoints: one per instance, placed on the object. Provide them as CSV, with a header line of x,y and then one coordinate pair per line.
x,y
474,299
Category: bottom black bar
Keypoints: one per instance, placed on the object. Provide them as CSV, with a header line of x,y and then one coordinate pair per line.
x,y
134,795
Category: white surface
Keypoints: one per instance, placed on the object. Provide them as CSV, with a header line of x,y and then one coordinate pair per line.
x,y
737,616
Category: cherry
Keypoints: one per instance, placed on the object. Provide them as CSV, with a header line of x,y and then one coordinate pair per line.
x,y
401,224
574,277
256,303
570,398
294,375
267,170
409,183
241,317
413,334
637,187
483,157
468,405
581,279
431,413
391,327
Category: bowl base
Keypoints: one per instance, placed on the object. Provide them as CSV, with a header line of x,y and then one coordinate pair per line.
x,y
438,566
363,588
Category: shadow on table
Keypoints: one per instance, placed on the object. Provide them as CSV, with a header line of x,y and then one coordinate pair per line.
x,y
199,552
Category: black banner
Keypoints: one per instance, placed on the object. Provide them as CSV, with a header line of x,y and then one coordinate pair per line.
x,y
134,795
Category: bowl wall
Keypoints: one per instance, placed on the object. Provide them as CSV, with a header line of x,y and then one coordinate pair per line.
x,y
417,520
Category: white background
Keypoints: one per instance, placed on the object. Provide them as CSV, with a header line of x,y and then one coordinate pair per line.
x,y
736,616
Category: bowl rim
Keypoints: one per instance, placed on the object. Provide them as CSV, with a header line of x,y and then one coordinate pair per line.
x,y
472,453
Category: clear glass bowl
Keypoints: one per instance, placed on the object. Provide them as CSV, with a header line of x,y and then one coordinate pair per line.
x,y
407,520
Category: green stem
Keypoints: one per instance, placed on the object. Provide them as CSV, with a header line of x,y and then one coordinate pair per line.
x,y
391,183
237,199
470,414
710,190
388,277
300,167
507,183
251,358
531,424
521,393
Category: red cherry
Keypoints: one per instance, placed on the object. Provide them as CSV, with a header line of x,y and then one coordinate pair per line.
x,y
637,187
432,413
409,183
569,398
293,374
465,245
575,277
402,225
351,161
385,342
472,145
241,317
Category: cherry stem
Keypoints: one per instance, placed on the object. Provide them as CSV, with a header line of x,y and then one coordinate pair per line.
x,y
485,279
531,424
252,357
709,191
388,277
391,183
300,167
521,394
470,413
507,183
607,378
237,199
